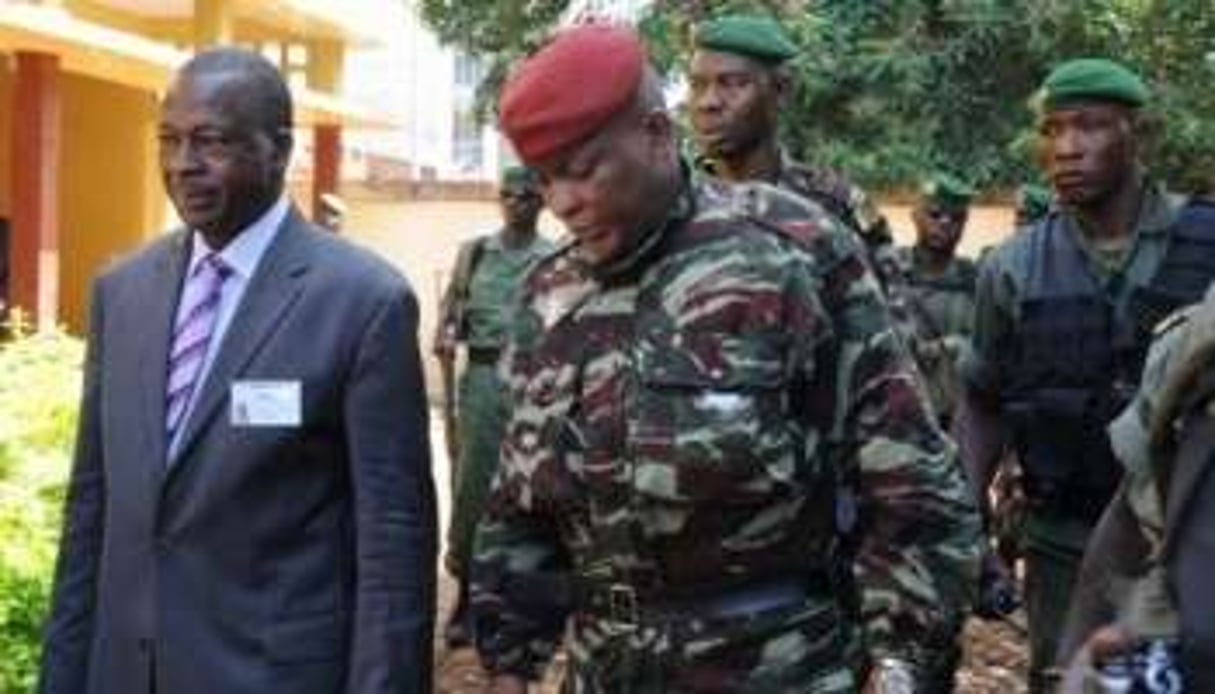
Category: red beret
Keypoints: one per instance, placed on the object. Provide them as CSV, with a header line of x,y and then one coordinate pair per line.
x,y
570,88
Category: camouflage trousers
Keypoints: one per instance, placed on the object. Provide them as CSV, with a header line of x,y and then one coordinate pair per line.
x,y
482,413
786,650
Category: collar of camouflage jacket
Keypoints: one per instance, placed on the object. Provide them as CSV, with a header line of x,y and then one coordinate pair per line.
x,y
648,241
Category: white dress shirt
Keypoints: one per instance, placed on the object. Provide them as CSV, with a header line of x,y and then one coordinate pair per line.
x,y
242,255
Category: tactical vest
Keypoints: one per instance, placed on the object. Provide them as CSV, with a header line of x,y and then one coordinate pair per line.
x,y
1076,359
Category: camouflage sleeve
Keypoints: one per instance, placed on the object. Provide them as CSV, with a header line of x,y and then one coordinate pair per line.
x,y
520,582
917,564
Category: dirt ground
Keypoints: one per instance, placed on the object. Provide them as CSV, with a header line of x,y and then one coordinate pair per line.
x,y
422,237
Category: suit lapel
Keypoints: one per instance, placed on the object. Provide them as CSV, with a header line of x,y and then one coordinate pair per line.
x,y
153,363
273,289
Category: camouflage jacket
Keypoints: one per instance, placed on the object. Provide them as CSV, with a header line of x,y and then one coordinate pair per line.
x,y
679,426
838,195
842,198
850,203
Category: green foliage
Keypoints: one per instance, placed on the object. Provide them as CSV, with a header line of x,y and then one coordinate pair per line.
x,y
498,32
38,399
891,88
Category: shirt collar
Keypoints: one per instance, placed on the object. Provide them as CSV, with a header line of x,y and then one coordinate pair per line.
x,y
245,251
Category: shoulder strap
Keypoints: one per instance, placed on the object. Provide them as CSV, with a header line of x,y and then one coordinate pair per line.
x,y
466,264
451,306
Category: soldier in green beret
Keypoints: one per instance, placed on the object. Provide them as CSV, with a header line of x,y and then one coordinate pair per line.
x,y
477,311
740,80
1064,314
936,286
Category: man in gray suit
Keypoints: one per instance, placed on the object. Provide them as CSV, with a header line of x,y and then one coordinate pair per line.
x,y
251,507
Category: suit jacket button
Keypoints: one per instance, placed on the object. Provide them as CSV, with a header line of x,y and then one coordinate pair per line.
x,y
145,645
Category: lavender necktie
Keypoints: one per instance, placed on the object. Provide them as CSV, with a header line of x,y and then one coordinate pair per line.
x,y
192,336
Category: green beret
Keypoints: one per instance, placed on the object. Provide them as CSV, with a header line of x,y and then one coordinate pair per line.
x,y
754,36
1092,79
517,177
947,192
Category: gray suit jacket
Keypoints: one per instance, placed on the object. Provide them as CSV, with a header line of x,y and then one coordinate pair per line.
x,y
273,559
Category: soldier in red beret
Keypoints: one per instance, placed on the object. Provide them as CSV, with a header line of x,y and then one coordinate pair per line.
x,y
689,376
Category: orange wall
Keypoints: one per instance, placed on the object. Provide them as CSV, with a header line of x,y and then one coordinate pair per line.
x,y
110,199
6,136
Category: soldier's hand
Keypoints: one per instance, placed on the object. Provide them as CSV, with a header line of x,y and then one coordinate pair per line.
x,y
506,684
998,595
891,676
1107,643
443,349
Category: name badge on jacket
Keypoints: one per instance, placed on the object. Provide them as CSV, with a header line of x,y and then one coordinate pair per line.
x,y
266,404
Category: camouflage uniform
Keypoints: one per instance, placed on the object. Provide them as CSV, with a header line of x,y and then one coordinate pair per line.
x,y
844,199
939,310
1059,523
680,420
481,321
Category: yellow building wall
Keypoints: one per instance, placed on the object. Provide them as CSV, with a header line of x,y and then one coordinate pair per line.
x,y
110,199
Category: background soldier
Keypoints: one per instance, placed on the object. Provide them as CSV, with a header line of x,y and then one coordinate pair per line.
x,y
477,309
676,372
1145,583
936,287
934,293
739,83
1063,316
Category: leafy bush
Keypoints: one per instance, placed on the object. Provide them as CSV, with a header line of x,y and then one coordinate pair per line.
x,y
890,89
39,391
